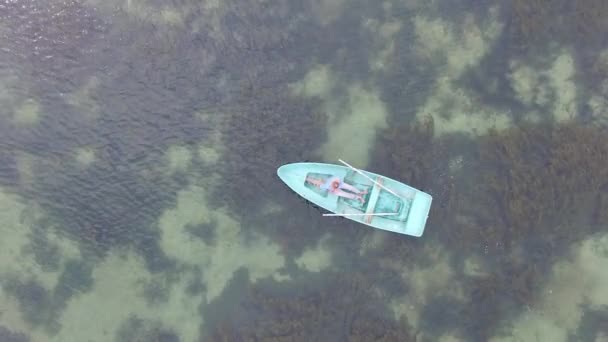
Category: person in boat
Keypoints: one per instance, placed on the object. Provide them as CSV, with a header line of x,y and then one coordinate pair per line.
x,y
336,186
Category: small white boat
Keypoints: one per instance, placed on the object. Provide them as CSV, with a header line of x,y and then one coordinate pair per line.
x,y
388,204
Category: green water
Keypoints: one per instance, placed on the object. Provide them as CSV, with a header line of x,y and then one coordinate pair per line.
x,y
139,142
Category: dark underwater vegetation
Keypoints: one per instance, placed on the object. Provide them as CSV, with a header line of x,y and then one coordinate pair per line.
x,y
139,330
35,302
594,323
516,199
9,336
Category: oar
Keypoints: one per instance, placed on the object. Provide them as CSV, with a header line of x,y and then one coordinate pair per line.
x,y
374,214
364,175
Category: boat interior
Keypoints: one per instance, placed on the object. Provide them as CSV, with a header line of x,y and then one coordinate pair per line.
x,y
381,200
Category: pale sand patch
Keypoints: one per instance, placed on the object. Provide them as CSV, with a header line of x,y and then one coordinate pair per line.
x,y
474,267
535,87
27,114
16,219
14,238
576,280
69,249
373,242
316,259
587,270
317,82
533,326
438,38
326,11
466,115
212,4
562,80
453,108
598,103
353,122
9,82
352,134
473,124
84,100
93,316
49,279
229,252
271,207
212,120
117,294
420,6
10,317
602,61
179,158
430,281
599,106
171,17
85,156
140,9
211,21
208,155
211,150
194,16
450,338
433,37
425,283
15,231
525,82
25,167
384,37
533,117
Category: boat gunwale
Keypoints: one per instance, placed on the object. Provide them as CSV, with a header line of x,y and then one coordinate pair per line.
x,y
378,222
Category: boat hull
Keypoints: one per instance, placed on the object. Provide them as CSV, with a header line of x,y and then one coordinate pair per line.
x,y
408,207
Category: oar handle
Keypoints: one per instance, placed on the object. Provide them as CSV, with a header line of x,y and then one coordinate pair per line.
x,y
364,175
363,214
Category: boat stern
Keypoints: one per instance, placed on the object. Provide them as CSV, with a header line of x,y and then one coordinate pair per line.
x,y
419,212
